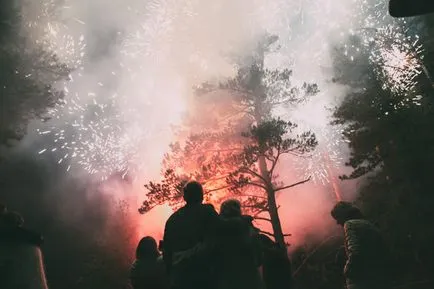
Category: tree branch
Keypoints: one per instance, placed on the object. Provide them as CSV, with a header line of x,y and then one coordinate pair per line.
x,y
293,185
292,150
253,196
217,178
253,173
266,233
273,166
256,185
256,207
262,219
263,210
218,189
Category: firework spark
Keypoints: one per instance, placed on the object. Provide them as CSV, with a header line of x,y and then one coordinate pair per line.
x,y
323,164
106,132
102,130
394,52
96,142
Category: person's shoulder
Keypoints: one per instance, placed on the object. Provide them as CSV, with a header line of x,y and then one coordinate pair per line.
x,y
21,235
248,219
208,207
358,223
361,226
176,214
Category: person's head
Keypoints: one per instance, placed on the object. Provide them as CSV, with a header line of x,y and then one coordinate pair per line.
x,y
12,219
345,211
230,208
147,248
193,193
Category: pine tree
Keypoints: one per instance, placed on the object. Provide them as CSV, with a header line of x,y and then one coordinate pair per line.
x,y
27,75
239,154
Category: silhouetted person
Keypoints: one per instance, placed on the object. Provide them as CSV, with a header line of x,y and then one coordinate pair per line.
x,y
237,255
148,270
367,264
276,266
21,262
184,234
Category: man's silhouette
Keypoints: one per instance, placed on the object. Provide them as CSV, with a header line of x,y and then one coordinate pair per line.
x,y
184,234
366,265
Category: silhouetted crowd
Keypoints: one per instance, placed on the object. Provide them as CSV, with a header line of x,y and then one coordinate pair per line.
x,y
203,249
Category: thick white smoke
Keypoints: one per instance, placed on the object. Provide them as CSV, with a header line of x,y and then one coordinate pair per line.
x,y
136,62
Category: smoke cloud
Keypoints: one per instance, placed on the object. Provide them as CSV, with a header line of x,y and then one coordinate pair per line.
x,y
135,65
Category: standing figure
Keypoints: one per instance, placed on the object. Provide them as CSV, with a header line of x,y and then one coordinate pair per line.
x,y
148,270
276,265
366,266
21,261
184,236
238,251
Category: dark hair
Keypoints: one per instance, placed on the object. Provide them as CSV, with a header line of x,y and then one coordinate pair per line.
x,y
193,193
230,208
147,248
344,211
12,219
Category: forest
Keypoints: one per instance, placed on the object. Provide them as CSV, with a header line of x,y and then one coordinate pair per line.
x,y
232,141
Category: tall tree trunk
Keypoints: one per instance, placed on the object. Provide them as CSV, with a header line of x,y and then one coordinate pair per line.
x,y
272,205
259,115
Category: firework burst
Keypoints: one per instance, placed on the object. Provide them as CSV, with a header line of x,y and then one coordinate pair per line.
x,y
394,53
106,129
103,132
323,164
94,137
46,27
394,50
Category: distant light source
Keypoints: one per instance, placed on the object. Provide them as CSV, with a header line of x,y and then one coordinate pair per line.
x,y
410,8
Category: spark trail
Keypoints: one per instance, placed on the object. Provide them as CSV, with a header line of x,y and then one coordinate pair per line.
x,y
106,122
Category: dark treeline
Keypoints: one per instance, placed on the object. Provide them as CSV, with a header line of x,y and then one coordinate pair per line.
x,y
27,74
79,250
392,153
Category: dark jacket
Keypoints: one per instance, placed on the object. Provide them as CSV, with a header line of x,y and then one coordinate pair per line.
x,y
149,274
21,262
276,265
185,230
237,255
367,261
276,268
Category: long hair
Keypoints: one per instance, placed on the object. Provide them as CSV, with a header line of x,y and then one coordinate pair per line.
x,y
147,249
